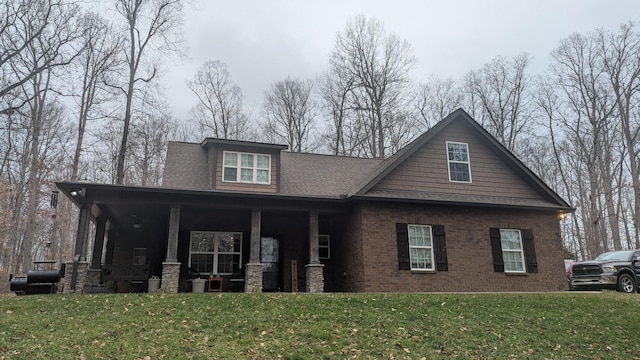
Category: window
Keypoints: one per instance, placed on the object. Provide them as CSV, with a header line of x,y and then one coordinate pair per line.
x,y
139,256
512,252
215,252
458,158
420,247
324,246
246,168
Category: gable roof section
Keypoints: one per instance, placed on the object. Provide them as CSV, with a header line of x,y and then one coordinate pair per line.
x,y
549,199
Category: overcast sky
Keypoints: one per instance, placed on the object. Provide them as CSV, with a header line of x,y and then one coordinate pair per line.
x,y
264,41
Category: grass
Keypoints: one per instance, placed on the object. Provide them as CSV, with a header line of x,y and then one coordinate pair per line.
x,y
321,326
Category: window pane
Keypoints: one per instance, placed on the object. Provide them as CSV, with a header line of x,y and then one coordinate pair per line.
x,y
421,258
263,176
419,235
458,152
512,261
246,175
263,162
510,239
459,172
227,242
230,174
202,242
231,159
202,262
246,160
227,263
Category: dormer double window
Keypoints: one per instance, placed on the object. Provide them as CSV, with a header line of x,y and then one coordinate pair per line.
x,y
246,168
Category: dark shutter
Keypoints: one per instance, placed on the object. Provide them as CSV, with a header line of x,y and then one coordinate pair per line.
x,y
440,244
496,250
403,247
529,251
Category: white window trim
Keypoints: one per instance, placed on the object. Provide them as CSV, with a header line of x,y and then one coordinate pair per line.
x,y
521,251
432,268
328,246
449,161
216,252
239,168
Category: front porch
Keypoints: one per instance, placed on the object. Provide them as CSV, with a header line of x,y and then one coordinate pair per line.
x,y
253,245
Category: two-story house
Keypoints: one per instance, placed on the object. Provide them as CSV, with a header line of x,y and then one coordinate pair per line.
x,y
452,211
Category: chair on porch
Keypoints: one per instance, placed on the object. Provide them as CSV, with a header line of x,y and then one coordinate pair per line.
x,y
214,283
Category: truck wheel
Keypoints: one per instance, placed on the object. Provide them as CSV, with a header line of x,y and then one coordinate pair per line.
x,y
626,284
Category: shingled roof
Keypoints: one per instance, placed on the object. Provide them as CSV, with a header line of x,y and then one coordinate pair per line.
x,y
334,177
302,174
322,175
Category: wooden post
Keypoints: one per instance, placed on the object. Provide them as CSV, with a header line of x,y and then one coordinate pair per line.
x,y
294,276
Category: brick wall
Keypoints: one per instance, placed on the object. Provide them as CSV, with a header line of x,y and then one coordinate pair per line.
x,y
468,250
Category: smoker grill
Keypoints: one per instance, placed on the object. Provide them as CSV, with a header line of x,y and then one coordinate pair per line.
x,y
36,282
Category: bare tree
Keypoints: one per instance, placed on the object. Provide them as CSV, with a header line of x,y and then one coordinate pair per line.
x,y
150,25
375,66
43,24
622,65
435,99
589,127
150,134
501,88
289,109
97,62
219,109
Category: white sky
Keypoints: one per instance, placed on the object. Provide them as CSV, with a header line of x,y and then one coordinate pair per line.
x,y
264,41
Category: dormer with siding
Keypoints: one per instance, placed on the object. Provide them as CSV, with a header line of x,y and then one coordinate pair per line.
x,y
224,165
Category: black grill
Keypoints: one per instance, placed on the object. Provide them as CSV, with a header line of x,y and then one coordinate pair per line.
x,y
586,269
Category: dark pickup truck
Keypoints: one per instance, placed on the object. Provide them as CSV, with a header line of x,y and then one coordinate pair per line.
x,y
616,270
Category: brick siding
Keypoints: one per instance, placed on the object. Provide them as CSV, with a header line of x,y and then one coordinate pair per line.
x,y
468,250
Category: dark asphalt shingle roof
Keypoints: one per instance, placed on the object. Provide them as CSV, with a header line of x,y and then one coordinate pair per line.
x,y
185,166
301,174
322,175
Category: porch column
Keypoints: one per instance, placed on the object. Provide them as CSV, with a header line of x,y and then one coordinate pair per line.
x,y
79,265
171,267
315,276
253,270
93,277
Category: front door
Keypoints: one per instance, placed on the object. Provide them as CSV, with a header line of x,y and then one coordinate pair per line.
x,y
270,259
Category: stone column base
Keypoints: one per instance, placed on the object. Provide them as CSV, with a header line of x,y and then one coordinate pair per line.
x,y
81,277
253,278
170,277
315,278
93,276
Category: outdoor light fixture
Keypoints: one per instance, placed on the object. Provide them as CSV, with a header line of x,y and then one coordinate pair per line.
x,y
562,216
73,193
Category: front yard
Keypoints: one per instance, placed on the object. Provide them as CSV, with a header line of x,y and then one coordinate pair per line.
x,y
321,326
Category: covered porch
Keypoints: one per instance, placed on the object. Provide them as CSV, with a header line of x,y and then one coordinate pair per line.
x,y
252,242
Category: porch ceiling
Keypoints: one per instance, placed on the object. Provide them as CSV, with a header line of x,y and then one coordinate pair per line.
x,y
140,209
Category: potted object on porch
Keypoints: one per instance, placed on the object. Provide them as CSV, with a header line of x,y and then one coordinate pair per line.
x,y
198,285
154,284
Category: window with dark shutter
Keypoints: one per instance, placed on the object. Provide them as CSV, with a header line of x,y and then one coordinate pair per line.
x,y
520,258
440,248
403,246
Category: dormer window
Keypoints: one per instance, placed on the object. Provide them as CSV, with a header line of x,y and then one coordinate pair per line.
x,y
246,168
459,165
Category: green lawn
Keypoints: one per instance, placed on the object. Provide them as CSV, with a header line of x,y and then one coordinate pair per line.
x,y
321,326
